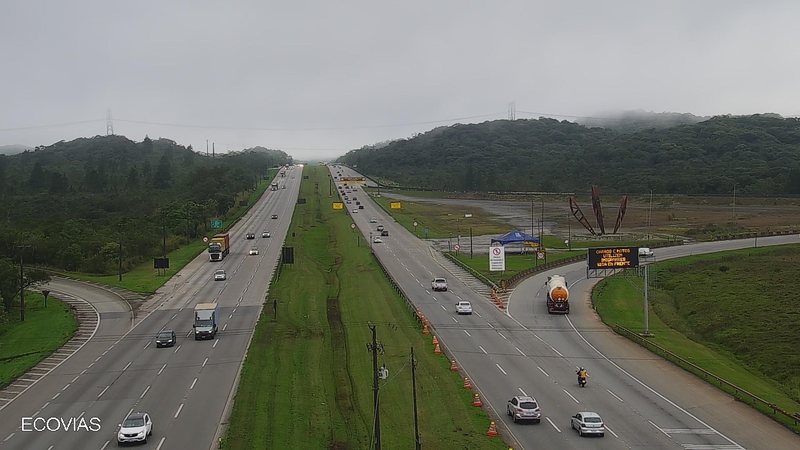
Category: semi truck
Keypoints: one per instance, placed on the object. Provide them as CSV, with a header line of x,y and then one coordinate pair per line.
x,y
205,321
219,246
557,295
274,186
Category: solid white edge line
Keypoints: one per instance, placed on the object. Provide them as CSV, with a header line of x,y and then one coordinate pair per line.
x,y
661,396
554,425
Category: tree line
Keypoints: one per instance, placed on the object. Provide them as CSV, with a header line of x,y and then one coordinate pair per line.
x,y
70,204
758,154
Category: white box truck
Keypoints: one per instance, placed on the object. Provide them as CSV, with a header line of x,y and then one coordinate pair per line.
x,y
205,321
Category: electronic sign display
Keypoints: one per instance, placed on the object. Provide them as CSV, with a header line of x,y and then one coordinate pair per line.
x,y
613,258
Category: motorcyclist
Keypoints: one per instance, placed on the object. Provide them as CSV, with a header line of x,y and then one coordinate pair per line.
x,y
582,375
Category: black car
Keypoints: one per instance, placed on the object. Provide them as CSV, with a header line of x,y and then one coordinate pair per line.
x,y
274,216
385,233
360,206
251,236
165,338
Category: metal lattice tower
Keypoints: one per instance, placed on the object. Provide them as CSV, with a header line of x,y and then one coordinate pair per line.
x,y
109,124
512,111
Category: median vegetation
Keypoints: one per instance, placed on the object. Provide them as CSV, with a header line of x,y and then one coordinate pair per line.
x,y
734,314
307,379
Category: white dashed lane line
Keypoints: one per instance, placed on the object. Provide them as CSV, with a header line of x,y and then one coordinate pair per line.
x,y
145,392
178,411
523,392
520,351
542,370
570,396
161,369
615,395
467,333
554,425
501,369
193,382
502,336
483,350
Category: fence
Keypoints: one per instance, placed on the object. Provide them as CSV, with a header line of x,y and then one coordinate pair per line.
x,y
778,414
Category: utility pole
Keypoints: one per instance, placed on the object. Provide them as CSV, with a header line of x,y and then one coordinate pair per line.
x,y
418,443
734,203
375,347
647,332
650,217
21,249
120,258
470,242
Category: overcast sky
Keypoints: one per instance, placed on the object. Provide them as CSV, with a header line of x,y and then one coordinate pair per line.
x,y
319,78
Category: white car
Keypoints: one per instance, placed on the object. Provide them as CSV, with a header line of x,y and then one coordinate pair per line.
x,y
135,428
588,423
254,251
646,252
373,220
219,275
265,234
355,210
464,307
439,284
524,408
377,240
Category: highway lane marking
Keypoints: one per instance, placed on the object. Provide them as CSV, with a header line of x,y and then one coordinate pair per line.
x,y
160,443
189,333
46,404
204,362
570,396
502,336
79,417
55,396
97,359
83,371
224,327
615,395
215,343
129,413
143,348
523,392
478,314
520,351
611,431
501,369
9,437
483,350
177,348
231,316
90,366
126,366
105,445
51,447
467,332
65,387
234,310
557,352
542,370
103,391
174,316
554,425
145,392
427,292
537,337
74,379
641,383
178,411
193,382
161,369
659,429
454,319
443,307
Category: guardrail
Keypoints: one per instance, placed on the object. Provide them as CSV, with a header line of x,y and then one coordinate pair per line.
x,y
473,272
778,414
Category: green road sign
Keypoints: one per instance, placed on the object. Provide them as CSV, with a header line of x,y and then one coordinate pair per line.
x,y
216,224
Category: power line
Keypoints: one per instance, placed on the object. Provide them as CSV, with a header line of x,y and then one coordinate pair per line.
x,y
53,125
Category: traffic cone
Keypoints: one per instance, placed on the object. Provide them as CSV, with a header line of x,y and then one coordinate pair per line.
x,y
437,350
453,366
492,431
467,384
476,401
435,340
425,329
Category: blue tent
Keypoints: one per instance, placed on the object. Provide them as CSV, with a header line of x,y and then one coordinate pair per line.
x,y
515,236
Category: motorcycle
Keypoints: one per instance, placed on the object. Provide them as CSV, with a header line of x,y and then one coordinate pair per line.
x,y
581,381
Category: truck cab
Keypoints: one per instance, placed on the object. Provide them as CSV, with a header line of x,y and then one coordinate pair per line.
x,y
205,321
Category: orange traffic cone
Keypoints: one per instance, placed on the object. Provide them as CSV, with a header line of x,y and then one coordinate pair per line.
x,y
467,384
453,366
492,431
435,340
425,329
476,401
437,350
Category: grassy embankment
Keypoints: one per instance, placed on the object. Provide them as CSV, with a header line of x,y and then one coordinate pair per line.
x,y
735,314
307,380
24,344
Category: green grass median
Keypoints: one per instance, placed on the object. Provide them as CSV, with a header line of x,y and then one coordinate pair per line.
x,y
45,330
307,379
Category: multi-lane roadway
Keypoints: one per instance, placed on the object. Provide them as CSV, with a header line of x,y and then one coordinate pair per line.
x,y
644,401
187,388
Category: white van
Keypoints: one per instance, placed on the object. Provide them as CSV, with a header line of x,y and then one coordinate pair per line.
x,y
645,252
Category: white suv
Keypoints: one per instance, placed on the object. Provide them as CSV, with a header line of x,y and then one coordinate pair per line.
x,y
588,423
524,408
135,428
439,284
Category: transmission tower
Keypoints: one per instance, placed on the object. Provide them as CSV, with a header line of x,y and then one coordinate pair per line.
x,y
512,111
109,124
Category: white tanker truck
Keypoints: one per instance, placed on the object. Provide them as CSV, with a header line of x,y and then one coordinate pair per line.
x,y
557,295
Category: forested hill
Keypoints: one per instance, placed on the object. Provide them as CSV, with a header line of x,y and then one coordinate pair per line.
x,y
760,154
73,201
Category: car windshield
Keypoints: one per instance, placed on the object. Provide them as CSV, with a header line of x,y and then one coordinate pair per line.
x,y
439,280
203,323
164,335
131,422
220,272
592,420
528,405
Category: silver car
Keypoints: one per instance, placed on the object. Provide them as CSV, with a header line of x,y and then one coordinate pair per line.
x,y
439,284
588,423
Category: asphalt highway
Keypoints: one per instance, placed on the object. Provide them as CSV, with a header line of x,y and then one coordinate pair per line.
x,y
645,402
185,388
